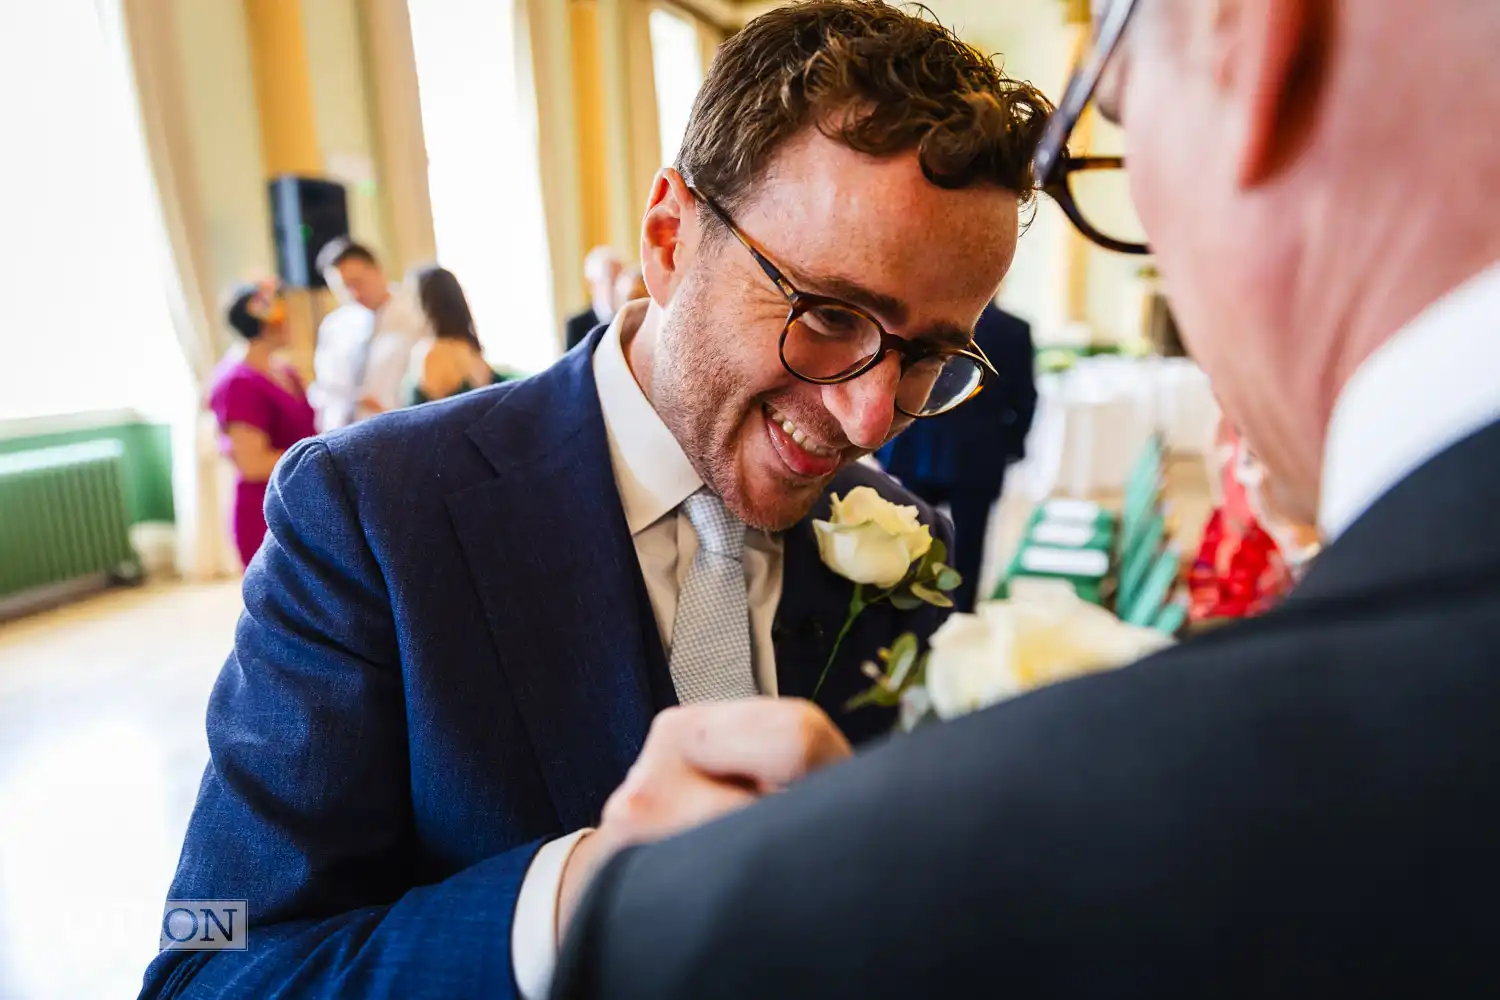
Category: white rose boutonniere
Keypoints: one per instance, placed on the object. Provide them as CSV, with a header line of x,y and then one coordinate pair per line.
x,y
1005,649
868,539
887,552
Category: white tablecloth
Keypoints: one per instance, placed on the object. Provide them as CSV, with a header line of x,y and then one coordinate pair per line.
x,y
1093,420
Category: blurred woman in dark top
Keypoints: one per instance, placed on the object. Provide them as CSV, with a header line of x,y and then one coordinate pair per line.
x,y
449,361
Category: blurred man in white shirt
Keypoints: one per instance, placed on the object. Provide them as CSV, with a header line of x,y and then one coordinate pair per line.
x,y
364,346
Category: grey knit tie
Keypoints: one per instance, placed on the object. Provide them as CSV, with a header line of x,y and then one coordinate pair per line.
x,y
710,658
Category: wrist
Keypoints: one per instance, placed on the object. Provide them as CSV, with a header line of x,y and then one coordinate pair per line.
x,y
589,855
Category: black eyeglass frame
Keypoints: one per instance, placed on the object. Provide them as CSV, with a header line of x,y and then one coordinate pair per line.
x,y
1051,164
800,302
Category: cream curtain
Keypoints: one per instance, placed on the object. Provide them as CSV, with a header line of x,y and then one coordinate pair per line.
x,y
145,35
544,83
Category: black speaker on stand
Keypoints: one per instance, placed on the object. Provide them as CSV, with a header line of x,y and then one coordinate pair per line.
x,y
307,213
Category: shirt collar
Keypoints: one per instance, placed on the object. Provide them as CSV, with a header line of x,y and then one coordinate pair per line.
x,y
1431,385
651,471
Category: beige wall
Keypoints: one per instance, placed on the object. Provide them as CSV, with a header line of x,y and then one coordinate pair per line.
x,y
1032,44
341,115
1035,43
396,131
223,129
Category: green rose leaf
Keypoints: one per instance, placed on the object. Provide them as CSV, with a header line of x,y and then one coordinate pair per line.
x,y
938,553
874,696
936,598
903,601
905,662
902,656
947,577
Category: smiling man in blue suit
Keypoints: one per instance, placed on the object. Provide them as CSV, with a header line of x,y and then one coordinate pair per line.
x,y
466,616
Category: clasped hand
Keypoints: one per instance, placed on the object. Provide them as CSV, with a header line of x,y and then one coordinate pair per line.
x,y
700,762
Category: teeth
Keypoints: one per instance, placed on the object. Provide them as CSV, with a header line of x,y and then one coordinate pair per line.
x,y
798,436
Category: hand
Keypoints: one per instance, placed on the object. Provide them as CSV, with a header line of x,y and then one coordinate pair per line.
x,y
700,762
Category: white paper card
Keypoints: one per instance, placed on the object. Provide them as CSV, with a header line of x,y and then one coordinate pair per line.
x,y
1065,534
1067,509
1040,589
1072,562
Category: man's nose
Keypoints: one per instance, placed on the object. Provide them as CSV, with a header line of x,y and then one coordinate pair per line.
x,y
866,406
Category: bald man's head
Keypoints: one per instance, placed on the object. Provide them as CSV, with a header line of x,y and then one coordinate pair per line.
x,y
601,269
1311,173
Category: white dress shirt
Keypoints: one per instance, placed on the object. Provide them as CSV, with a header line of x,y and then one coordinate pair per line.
x,y
653,477
1431,385
342,338
399,325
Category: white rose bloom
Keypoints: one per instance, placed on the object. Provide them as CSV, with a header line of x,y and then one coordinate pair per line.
x,y
1014,646
868,539
971,662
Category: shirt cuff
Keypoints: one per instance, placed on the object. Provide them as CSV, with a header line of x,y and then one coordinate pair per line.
x,y
533,932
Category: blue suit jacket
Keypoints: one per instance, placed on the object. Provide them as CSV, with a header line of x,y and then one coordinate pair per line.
x,y
447,657
970,447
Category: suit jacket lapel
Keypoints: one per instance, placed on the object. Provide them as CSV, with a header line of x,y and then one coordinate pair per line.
x,y
554,566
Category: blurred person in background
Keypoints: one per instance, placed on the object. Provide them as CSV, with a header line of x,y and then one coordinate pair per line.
x,y
960,458
601,269
1239,571
629,287
364,346
1298,541
450,360
260,405
1251,553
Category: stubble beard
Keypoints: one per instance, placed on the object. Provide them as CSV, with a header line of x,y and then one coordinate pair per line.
x,y
696,391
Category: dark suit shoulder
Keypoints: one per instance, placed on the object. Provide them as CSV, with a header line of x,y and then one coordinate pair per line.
x,y
418,444
1284,802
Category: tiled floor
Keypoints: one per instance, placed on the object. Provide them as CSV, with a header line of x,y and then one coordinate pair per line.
x,y
101,749
102,746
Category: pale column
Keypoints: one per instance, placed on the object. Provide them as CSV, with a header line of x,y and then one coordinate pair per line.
x,y
283,86
591,119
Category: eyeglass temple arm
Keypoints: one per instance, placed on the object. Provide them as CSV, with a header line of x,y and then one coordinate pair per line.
x,y
772,271
988,364
1051,149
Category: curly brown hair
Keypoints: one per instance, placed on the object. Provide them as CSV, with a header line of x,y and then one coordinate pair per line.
x,y
867,75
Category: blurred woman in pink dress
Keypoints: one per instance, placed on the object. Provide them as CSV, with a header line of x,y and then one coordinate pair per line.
x,y
261,406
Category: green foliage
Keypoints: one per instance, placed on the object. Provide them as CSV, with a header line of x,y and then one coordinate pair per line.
x,y
903,666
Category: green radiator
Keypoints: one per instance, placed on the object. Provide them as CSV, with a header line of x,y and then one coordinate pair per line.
x,y
62,516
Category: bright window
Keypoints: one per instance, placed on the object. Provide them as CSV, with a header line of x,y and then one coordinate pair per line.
x,y
482,172
85,323
677,61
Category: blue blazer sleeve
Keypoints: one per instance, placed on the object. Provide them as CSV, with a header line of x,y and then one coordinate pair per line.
x,y
305,810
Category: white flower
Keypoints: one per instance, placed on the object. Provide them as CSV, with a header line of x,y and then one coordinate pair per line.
x,y
868,539
971,663
1014,646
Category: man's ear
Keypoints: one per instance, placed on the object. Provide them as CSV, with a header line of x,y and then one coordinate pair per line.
x,y
669,235
1269,57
